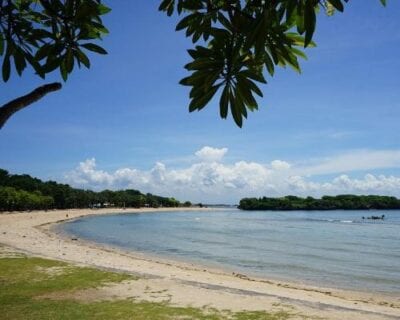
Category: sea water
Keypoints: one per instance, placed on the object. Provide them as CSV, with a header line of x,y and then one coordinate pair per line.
x,y
326,248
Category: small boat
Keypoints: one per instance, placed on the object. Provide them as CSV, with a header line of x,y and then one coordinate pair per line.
x,y
382,217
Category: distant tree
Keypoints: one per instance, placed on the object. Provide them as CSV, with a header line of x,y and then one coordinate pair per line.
x,y
23,192
3,177
343,202
187,204
47,35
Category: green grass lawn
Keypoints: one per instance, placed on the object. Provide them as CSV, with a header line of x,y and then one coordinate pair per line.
x,y
24,281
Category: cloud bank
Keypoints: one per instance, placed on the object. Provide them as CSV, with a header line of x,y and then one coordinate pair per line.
x,y
208,179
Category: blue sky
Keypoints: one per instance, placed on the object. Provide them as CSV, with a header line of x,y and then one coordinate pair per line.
x,y
340,117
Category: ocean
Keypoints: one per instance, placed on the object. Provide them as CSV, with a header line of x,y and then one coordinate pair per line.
x,y
335,249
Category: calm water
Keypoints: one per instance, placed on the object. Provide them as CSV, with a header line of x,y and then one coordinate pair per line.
x,y
335,248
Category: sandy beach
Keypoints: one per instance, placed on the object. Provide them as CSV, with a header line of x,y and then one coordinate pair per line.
x,y
184,284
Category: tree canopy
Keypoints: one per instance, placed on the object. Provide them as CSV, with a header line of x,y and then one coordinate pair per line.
x,y
238,40
23,192
237,43
47,35
343,202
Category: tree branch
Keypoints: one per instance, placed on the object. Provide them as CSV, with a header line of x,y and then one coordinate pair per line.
x,y
7,110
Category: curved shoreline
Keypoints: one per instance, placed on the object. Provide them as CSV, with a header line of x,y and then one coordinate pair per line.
x,y
189,284
201,266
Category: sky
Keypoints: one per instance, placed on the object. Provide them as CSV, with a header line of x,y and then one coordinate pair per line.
x,y
125,123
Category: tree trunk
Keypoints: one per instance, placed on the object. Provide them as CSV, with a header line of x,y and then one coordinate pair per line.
x,y
7,110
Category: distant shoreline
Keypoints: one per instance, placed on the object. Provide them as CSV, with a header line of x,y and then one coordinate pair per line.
x,y
325,203
108,210
32,233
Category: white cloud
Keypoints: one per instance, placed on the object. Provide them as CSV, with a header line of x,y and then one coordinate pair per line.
x,y
356,160
369,184
211,154
280,165
86,174
210,180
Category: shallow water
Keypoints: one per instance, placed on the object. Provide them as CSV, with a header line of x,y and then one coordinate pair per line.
x,y
328,248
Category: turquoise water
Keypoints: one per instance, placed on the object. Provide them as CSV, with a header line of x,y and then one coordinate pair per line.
x,y
334,248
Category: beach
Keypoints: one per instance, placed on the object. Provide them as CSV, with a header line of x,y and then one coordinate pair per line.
x,y
184,284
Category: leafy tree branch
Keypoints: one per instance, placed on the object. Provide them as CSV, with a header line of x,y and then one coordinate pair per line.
x,y
48,35
238,42
7,110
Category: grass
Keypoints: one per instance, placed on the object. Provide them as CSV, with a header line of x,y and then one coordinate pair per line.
x,y
25,280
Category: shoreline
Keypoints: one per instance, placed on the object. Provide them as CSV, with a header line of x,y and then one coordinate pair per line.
x,y
189,284
201,266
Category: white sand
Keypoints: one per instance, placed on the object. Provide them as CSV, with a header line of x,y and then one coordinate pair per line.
x,y
186,284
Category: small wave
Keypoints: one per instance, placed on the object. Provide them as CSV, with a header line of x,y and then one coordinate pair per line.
x,y
328,220
317,220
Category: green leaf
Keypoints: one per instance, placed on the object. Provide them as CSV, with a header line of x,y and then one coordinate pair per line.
x,y
300,23
269,64
201,102
1,45
224,21
236,110
43,52
246,96
103,9
203,63
63,70
299,53
186,21
69,61
6,69
93,47
19,61
164,4
82,57
34,63
196,36
253,75
224,102
250,84
51,64
187,81
168,6
338,4
309,22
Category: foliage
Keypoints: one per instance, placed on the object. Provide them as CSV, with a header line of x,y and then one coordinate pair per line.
x,y
237,40
49,34
12,199
187,204
343,202
22,192
24,282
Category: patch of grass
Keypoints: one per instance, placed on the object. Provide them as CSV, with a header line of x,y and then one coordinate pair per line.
x,y
258,315
28,276
24,280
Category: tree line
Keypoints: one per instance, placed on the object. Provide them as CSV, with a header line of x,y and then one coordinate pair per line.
x,y
23,192
342,202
